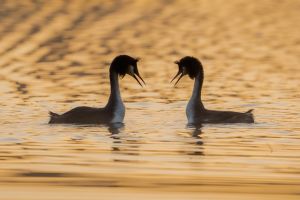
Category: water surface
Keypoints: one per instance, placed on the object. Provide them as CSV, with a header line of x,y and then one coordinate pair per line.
x,y
55,56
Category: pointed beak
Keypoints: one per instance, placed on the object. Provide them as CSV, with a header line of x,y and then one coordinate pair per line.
x,y
138,75
135,74
182,75
180,72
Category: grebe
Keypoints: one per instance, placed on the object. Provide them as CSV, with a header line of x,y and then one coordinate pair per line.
x,y
114,111
195,110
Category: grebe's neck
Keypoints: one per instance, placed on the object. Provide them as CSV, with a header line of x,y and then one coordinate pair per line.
x,y
195,105
196,95
115,95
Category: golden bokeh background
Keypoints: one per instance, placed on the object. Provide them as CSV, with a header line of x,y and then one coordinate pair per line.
x,y
54,55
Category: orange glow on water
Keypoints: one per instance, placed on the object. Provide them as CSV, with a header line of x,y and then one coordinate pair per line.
x,y
54,55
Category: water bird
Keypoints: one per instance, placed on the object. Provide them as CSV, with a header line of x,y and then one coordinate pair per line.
x,y
114,111
195,111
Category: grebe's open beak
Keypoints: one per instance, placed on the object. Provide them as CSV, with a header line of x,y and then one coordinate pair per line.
x,y
134,76
180,72
135,73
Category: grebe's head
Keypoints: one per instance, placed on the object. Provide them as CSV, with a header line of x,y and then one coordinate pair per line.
x,y
188,66
124,64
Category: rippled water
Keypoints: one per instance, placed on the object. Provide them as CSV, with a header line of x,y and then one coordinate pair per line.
x,y
55,56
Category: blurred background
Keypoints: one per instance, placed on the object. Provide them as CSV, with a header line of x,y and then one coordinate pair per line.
x,y
55,55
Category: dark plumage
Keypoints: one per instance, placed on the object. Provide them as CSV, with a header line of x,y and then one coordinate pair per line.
x,y
114,111
195,110
82,115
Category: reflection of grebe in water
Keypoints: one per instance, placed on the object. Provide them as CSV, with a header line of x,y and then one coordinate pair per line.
x,y
114,111
115,128
195,110
196,130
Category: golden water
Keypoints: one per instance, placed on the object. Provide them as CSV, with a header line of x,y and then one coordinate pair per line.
x,y
54,55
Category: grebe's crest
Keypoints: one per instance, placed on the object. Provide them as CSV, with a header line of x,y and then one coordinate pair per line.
x,y
124,64
188,66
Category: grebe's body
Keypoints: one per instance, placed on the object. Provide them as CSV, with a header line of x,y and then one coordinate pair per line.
x,y
114,111
195,111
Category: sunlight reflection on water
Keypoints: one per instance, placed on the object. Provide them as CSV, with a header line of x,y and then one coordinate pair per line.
x,y
55,56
